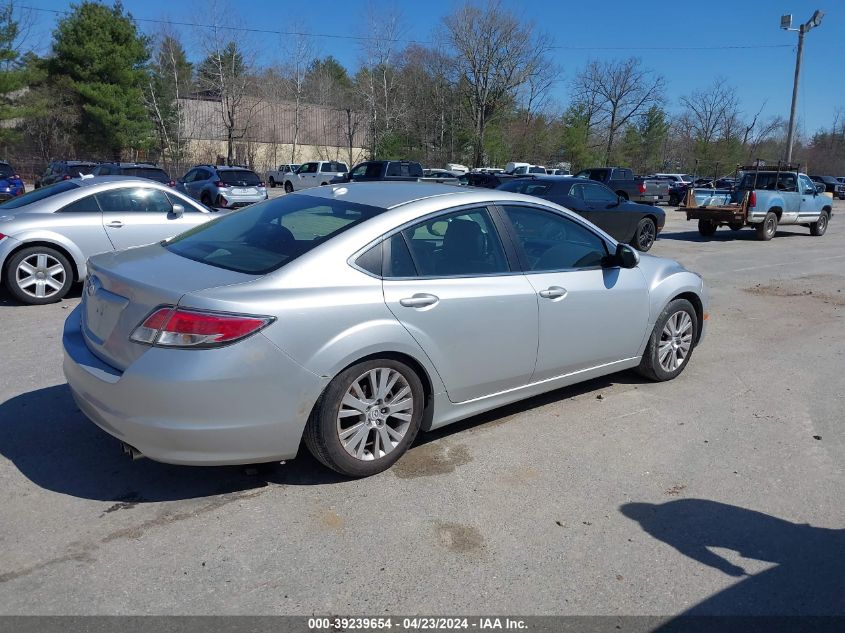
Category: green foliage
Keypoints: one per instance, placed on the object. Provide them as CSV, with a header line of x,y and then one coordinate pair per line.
x,y
575,139
13,73
643,143
221,70
101,55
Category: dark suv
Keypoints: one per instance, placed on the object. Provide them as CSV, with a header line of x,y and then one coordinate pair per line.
x,y
139,170
64,170
223,186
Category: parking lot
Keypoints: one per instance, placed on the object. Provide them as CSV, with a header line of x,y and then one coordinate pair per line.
x,y
721,492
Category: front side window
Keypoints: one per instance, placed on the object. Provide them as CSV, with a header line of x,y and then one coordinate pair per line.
x,y
134,200
265,236
459,244
552,242
526,186
809,187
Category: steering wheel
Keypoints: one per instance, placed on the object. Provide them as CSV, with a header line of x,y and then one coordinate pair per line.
x,y
555,233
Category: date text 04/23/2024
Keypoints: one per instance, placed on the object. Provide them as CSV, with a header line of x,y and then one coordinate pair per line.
x,y
414,623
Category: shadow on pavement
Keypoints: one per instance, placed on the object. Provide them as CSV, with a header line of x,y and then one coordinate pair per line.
x,y
725,235
55,446
808,578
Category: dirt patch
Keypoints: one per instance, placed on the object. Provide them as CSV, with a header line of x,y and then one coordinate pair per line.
x,y
459,538
831,296
675,490
435,458
332,521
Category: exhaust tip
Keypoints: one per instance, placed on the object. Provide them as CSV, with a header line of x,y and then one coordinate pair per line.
x,y
133,452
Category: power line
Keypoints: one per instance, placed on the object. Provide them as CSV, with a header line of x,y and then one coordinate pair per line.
x,y
362,38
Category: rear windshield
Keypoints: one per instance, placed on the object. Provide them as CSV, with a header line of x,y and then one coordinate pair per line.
x,y
6,170
75,170
151,173
239,177
39,194
784,181
526,186
266,236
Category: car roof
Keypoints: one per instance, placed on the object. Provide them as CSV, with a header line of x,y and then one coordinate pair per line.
x,y
389,195
99,180
555,178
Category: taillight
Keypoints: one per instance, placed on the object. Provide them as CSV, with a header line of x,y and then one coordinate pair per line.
x,y
752,199
172,183
65,177
220,183
261,184
177,327
642,187
16,176
2,236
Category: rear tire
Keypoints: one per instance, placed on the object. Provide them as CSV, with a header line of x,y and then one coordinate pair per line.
x,y
622,195
272,182
206,199
767,228
38,270
354,428
645,235
819,227
707,228
288,187
674,201
671,343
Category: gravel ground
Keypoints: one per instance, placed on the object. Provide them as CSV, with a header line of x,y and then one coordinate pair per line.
x,y
720,492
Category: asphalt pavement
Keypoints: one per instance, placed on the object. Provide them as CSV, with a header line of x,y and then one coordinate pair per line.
x,y
720,492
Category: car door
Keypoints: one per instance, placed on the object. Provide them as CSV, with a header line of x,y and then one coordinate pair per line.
x,y
133,216
608,213
573,200
305,176
184,184
787,186
588,315
81,222
811,202
449,282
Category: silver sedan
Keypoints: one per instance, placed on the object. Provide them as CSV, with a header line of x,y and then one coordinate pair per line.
x,y
47,234
355,316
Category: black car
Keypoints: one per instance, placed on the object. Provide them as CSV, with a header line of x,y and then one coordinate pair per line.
x,y
139,170
831,185
64,170
630,222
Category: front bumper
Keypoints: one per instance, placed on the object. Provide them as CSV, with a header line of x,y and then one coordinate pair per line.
x,y
245,403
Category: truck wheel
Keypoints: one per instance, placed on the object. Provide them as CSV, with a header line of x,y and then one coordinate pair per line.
x,y
735,226
674,201
820,226
707,228
645,235
622,195
272,182
768,227
288,187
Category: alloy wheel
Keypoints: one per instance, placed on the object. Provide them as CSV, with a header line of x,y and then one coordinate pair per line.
x,y
646,237
675,341
375,413
40,275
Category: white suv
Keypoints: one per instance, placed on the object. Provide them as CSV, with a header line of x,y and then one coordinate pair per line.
x,y
314,174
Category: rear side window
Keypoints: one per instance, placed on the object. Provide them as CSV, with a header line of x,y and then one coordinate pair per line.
x,y
266,236
37,195
159,175
240,177
463,243
88,204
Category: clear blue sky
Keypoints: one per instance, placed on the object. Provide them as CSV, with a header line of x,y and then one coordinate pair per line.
x,y
620,29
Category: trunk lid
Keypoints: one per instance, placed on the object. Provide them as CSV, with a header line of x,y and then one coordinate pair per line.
x,y
123,288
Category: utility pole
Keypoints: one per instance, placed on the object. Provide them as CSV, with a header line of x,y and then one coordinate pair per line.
x,y
786,25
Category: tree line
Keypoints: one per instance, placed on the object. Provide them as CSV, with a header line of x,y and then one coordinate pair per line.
x,y
481,94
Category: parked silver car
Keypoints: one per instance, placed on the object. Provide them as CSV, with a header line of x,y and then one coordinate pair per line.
x,y
357,315
47,234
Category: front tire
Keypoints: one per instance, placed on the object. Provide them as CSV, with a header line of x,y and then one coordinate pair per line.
x,y
288,187
38,275
366,418
819,227
707,228
645,235
767,228
671,343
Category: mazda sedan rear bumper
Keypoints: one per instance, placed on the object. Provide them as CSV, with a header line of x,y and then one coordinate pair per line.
x,y
245,403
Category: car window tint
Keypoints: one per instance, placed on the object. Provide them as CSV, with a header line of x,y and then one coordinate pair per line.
x,y
554,242
266,236
393,169
39,194
174,199
371,260
6,170
242,177
577,191
597,193
401,264
88,204
527,186
360,170
135,199
461,243
809,187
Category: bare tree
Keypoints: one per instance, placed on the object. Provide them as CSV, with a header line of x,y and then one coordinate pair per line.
x,y
619,90
496,54
299,53
711,113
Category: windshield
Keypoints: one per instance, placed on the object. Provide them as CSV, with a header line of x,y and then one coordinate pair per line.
x,y
266,236
526,186
6,170
239,177
39,194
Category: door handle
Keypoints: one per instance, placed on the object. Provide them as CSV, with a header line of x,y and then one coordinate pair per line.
x,y
115,224
553,292
419,300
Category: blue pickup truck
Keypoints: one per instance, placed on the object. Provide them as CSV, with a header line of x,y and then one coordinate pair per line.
x,y
763,199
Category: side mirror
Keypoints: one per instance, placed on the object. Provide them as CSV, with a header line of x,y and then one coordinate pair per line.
x,y
820,188
624,257
177,211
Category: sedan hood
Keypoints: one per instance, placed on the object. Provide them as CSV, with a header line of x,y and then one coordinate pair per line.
x,y
125,287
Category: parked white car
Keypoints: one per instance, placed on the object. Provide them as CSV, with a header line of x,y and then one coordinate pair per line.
x,y
277,176
314,174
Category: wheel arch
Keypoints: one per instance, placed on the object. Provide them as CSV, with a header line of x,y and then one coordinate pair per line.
x,y
778,211
72,257
698,304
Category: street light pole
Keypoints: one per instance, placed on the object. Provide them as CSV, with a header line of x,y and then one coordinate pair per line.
x,y
786,25
790,137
